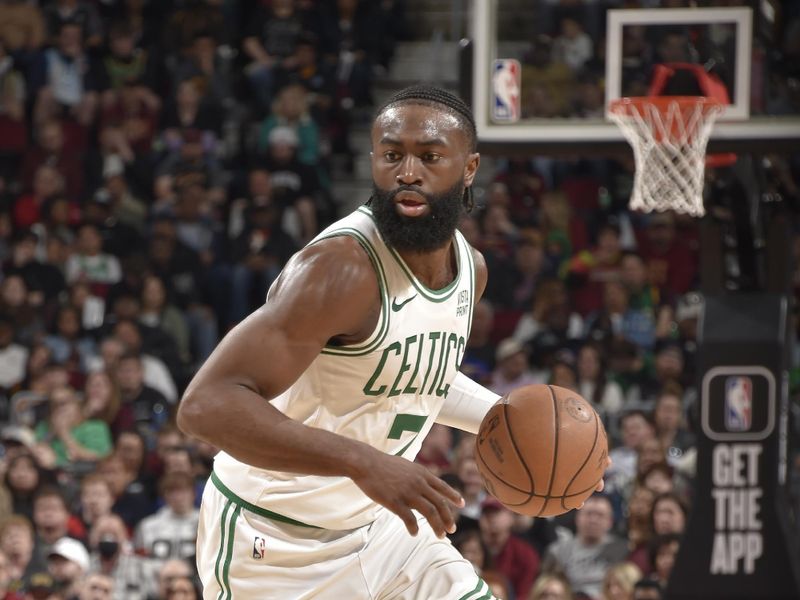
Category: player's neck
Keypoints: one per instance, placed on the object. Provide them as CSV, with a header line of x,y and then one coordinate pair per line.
x,y
434,269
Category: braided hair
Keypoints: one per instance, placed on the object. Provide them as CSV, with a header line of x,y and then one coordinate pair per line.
x,y
428,95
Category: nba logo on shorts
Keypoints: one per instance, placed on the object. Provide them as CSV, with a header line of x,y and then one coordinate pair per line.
x,y
506,90
259,547
738,403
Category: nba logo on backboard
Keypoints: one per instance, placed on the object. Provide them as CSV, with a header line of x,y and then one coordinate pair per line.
x,y
506,90
738,403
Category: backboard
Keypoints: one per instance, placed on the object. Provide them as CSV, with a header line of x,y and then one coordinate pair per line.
x,y
572,61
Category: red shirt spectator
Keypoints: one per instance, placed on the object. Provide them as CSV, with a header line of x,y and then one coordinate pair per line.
x,y
511,556
670,262
53,152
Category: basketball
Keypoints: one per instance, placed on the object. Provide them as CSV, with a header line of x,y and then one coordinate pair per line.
x,y
541,450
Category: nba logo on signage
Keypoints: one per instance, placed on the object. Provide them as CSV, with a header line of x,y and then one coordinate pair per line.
x,y
738,403
506,90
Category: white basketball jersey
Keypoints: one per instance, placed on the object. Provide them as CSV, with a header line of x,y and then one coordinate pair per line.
x,y
385,391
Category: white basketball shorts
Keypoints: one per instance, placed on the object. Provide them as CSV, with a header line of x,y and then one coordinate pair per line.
x,y
244,552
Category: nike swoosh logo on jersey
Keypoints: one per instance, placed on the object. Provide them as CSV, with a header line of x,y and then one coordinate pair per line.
x,y
396,306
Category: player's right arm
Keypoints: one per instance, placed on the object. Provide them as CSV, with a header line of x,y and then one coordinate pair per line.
x,y
327,291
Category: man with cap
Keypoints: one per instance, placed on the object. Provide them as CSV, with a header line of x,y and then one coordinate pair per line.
x,y
68,564
511,556
512,370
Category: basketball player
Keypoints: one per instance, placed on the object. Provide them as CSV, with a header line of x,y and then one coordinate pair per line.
x,y
320,399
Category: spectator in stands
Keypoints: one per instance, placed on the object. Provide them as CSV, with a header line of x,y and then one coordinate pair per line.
x,y
183,588
68,343
23,477
6,593
550,316
89,263
518,279
143,407
546,84
639,530
53,150
510,555
669,514
68,80
189,167
130,447
13,130
44,281
270,45
129,119
157,372
258,253
586,557
72,437
671,264
667,371
590,270
647,589
171,570
352,35
573,46
478,361
470,545
52,520
295,186
619,581
30,208
159,313
663,550
187,112
551,586
68,564
435,450
512,370
203,63
595,385
15,303
96,499
473,492
617,319
13,356
670,424
74,12
17,543
131,500
101,397
172,531
112,555
97,586
22,29
290,109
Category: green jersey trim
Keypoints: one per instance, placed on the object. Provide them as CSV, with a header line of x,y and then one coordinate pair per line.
x,y
257,510
383,328
473,276
429,294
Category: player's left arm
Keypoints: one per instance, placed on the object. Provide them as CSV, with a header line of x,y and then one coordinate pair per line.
x,y
468,401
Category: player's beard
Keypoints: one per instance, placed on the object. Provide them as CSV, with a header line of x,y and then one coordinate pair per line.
x,y
418,234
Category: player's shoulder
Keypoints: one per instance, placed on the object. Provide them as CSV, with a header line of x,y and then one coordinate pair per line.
x,y
338,264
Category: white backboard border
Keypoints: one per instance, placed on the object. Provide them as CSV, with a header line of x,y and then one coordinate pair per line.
x,y
592,131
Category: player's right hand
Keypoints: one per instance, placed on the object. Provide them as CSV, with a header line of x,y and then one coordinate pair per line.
x,y
403,486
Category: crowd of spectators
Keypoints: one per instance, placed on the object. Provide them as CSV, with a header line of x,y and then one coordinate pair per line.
x,y
159,163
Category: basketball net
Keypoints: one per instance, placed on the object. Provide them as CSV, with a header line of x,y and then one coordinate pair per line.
x,y
669,135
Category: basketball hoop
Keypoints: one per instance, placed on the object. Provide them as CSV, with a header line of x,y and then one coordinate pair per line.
x,y
668,135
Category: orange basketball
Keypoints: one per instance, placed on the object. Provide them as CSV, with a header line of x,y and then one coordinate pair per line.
x,y
541,450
